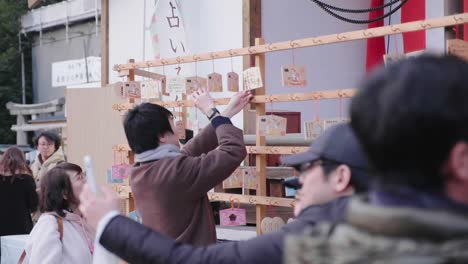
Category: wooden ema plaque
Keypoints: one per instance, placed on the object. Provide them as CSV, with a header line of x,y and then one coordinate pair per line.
x,y
271,125
252,78
313,129
194,83
233,81
458,47
176,85
128,89
180,129
150,89
294,75
242,178
215,82
326,123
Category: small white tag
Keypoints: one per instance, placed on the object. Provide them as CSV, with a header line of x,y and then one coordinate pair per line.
x,y
252,78
176,85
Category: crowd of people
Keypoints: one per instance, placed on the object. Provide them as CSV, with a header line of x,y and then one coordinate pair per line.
x,y
391,186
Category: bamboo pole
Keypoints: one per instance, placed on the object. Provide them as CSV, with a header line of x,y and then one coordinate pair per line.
x,y
306,42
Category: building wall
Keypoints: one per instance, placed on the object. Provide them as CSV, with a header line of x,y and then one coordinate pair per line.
x,y
54,48
328,67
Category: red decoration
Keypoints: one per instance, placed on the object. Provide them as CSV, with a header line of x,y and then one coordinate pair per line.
x,y
412,11
375,46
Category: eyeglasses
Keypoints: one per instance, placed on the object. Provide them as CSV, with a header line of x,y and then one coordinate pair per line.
x,y
301,168
46,144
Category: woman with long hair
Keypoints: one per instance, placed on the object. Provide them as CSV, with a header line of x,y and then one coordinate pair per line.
x,y
18,196
61,234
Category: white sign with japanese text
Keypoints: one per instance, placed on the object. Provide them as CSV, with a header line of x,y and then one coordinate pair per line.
x,y
72,72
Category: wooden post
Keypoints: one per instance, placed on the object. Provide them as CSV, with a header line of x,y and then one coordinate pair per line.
x,y
251,29
260,159
104,42
131,77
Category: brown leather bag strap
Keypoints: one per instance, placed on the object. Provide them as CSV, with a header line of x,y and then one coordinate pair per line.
x,y
21,259
60,229
60,226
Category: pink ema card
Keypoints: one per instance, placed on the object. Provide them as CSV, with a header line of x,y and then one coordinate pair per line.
x,y
232,217
121,171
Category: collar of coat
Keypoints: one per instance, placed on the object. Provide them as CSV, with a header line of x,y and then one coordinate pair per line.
x,y
435,225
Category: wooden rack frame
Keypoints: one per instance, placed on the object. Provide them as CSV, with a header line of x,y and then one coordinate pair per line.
x,y
258,99
250,149
306,42
125,191
261,201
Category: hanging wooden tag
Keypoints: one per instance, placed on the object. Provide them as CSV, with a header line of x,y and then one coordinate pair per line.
x,y
132,89
150,89
111,179
252,78
234,181
180,129
249,178
234,216
326,123
194,83
458,48
164,86
294,75
313,129
270,225
233,81
215,82
271,125
121,171
119,89
176,85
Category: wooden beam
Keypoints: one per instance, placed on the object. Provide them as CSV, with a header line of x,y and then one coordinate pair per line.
x,y
251,199
275,150
104,42
260,99
147,74
125,192
288,140
250,149
307,42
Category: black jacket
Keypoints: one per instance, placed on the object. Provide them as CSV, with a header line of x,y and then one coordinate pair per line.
x,y
136,243
18,199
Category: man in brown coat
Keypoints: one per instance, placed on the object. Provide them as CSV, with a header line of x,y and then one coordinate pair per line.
x,y
169,184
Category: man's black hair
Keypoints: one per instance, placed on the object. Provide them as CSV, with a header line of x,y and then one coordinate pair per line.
x,y
144,124
409,115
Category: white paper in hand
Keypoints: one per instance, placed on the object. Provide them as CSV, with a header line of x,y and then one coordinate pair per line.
x,y
91,178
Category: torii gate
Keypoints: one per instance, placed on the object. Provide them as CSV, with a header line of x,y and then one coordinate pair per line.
x,y
23,125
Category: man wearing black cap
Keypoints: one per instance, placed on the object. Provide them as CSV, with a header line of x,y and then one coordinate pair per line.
x,y
327,177
332,168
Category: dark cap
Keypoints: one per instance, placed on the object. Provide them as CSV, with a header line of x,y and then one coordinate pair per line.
x,y
337,143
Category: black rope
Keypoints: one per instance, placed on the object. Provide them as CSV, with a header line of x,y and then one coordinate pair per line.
x,y
345,10
354,21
